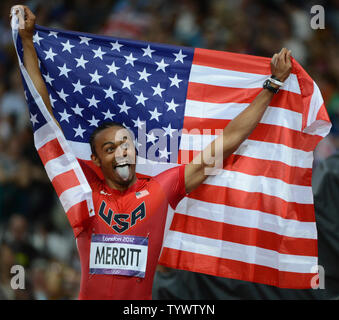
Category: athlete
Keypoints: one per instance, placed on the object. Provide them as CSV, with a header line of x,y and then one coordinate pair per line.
x,y
120,245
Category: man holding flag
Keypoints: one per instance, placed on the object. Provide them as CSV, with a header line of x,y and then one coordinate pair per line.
x,y
120,238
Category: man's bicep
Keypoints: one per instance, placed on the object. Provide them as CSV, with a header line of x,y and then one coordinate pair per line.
x,y
173,183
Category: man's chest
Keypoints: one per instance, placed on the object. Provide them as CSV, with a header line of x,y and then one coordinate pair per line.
x,y
133,213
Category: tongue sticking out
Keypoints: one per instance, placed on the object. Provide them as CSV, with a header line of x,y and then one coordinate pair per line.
x,y
123,172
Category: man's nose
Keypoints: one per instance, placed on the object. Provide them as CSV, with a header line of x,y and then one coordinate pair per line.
x,y
122,150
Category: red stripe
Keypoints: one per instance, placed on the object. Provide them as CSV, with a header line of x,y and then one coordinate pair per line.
x,y
77,216
65,181
322,114
232,61
216,266
259,167
263,132
50,150
216,94
254,201
244,235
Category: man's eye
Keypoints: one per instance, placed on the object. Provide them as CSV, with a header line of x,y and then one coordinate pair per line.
x,y
110,149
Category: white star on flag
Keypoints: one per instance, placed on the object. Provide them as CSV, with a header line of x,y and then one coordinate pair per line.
x,y
144,75
98,53
172,106
93,102
161,65
50,54
95,77
116,46
158,90
64,116
84,40
33,119
48,79
155,114
64,70
78,87
93,122
78,110
130,59
81,62
67,46
108,115
126,83
179,56
36,38
110,93
62,94
175,81
148,51
112,68
79,131
124,107
141,99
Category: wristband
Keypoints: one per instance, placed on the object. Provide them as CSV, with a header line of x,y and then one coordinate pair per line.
x,y
276,81
267,85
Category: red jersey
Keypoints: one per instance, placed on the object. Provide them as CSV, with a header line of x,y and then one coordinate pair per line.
x,y
119,246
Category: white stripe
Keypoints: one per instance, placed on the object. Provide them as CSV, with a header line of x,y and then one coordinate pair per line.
x,y
273,115
80,149
247,218
260,184
239,252
72,196
316,127
236,79
43,135
58,166
254,149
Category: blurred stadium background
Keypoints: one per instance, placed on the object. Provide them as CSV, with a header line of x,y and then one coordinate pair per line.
x,y
34,231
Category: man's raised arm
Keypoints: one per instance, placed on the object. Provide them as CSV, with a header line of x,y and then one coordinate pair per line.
x,y
238,129
31,59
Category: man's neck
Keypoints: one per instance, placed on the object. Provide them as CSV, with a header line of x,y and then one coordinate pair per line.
x,y
120,187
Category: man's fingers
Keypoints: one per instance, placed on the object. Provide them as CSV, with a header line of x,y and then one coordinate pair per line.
x,y
274,59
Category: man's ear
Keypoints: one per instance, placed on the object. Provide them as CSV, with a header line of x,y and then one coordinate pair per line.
x,y
96,160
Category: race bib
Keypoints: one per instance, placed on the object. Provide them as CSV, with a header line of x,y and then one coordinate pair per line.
x,y
118,254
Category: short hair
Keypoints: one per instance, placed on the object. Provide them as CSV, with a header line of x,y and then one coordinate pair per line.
x,y
101,127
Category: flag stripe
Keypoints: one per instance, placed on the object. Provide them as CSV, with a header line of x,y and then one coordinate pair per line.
x,y
263,132
243,235
208,110
247,218
50,150
231,61
240,252
72,196
217,94
58,166
264,185
254,149
256,167
235,269
65,181
254,201
236,79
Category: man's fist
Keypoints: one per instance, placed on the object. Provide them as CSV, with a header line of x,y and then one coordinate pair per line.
x,y
281,64
29,19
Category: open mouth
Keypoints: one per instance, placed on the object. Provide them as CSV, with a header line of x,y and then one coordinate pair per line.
x,y
122,164
123,170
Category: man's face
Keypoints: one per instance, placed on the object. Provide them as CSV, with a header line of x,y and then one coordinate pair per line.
x,y
115,155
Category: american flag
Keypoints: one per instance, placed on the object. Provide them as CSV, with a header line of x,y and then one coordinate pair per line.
x,y
255,220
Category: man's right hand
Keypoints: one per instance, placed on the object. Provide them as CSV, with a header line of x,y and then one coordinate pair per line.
x,y
29,18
